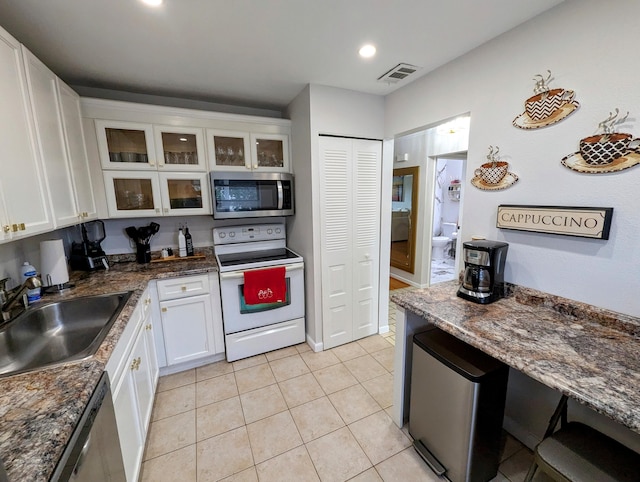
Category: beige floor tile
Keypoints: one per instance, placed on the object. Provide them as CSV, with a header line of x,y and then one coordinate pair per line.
x,y
219,417
334,378
174,401
303,347
370,475
407,465
255,377
215,389
249,362
317,418
273,436
379,437
509,446
177,465
248,475
349,351
171,434
299,390
176,380
223,455
294,465
515,468
385,358
337,456
282,353
289,367
354,403
381,389
213,370
373,343
499,478
322,359
262,403
365,368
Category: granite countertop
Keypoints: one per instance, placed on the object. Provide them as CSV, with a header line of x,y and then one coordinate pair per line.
x,y
585,352
40,409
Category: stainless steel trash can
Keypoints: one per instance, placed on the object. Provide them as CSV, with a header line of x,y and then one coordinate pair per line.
x,y
457,405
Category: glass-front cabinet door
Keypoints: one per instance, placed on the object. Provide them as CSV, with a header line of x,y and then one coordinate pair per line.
x,y
125,145
228,150
132,194
180,148
184,193
270,152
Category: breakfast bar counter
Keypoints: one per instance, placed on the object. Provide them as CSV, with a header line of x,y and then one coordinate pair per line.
x,y
40,409
585,352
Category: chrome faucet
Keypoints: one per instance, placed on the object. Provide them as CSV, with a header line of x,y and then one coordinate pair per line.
x,y
29,284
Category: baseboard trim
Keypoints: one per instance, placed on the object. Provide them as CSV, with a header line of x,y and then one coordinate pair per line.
x,y
314,346
521,433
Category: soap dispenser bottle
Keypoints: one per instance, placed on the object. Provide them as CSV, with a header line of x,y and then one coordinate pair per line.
x,y
27,272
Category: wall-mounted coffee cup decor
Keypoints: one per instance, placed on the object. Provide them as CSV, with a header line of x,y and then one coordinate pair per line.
x,y
494,174
546,106
606,151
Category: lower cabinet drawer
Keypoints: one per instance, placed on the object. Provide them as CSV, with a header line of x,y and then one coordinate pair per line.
x,y
171,289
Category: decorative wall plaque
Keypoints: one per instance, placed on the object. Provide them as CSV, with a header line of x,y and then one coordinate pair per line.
x,y
547,106
584,222
494,174
606,151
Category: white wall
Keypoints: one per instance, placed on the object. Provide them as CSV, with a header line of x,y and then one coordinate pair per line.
x,y
587,45
323,110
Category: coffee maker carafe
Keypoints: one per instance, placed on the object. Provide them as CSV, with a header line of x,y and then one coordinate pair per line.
x,y
483,280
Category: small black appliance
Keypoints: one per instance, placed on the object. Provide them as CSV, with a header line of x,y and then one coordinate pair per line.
x,y
483,280
88,254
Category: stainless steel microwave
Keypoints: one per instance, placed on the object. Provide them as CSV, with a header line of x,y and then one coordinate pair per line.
x,y
251,194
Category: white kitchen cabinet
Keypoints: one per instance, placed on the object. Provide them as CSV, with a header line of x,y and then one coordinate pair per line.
x,y
22,185
126,145
133,371
234,150
180,148
190,318
77,152
141,194
350,237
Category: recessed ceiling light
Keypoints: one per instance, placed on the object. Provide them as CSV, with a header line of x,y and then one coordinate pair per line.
x,y
153,3
367,51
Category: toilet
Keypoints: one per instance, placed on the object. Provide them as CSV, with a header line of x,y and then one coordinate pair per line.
x,y
440,244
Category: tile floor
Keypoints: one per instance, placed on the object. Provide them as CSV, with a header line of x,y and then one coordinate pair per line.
x,y
442,270
292,415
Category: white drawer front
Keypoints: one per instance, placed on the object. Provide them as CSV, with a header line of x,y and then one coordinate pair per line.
x,y
171,289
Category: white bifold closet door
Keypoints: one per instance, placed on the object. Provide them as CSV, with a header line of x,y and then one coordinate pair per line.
x,y
350,237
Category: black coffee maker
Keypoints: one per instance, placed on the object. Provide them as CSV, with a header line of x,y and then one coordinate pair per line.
x,y
483,280
88,255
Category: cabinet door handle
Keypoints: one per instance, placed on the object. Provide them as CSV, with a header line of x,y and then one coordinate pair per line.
x,y
248,166
22,227
135,365
164,309
148,327
184,288
151,163
157,210
255,166
6,228
14,228
166,210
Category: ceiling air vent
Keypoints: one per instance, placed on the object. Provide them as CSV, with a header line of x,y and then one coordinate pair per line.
x,y
398,73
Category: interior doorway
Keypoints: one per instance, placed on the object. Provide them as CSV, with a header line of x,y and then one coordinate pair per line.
x,y
446,217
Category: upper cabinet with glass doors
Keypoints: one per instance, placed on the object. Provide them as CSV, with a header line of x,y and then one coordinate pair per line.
x,y
134,146
234,151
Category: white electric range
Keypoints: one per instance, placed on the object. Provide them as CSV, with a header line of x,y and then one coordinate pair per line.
x,y
253,329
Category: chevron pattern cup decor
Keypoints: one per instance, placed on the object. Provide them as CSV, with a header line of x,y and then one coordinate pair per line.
x,y
547,106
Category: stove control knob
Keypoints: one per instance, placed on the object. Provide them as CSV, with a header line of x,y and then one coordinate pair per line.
x,y
232,234
278,230
269,231
222,235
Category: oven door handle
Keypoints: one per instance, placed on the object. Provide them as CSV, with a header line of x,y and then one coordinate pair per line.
x,y
280,194
240,274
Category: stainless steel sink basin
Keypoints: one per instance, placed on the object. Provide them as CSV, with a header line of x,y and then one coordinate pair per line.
x,y
58,332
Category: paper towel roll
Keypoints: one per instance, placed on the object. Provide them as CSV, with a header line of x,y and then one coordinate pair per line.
x,y
53,264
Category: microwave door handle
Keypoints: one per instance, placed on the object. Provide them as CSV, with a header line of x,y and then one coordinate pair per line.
x,y
280,194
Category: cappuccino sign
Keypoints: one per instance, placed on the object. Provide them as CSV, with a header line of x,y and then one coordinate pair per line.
x,y
583,222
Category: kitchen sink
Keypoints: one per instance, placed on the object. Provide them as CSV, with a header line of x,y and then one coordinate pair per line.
x,y
58,332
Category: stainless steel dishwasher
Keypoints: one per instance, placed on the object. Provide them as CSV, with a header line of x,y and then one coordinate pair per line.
x,y
93,454
457,405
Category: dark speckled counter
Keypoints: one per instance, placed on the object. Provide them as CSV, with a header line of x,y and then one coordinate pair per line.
x,y
585,352
39,410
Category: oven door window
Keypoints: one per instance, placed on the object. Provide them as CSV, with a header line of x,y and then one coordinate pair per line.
x,y
246,309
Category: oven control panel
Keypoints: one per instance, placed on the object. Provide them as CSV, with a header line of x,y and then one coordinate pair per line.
x,y
248,233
